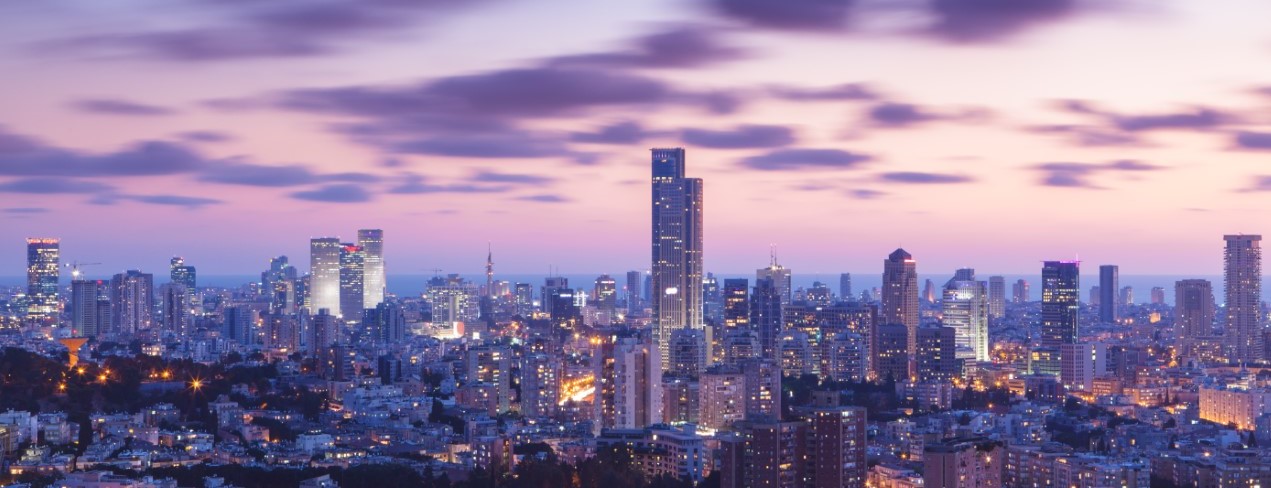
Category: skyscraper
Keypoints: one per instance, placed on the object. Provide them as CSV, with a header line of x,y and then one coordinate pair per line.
x,y
324,272
900,294
634,303
1193,309
1061,293
131,302
1019,292
845,287
780,276
174,309
374,280
766,316
182,274
736,303
1243,277
937,354
965,308
677,248
86,302
605,293
712,300
352,282
1109,302
997,297
628,384
42,273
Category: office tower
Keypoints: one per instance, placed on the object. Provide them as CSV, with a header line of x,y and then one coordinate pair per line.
x,y
781,279
454,302
712,300
324,331
836,447
928,291
1096,296
324,274
794,352
763,388
964,464
765,315
1193,309
181,273
723,397
736,303
1080,364
565,313
821,323
131,302
965,308
540,385
240,326
848,357
900,294
1019,291
42,274
490,366
628,383
688,353
997,297
280,282
1157,295
681,400
1109,302
677,248
1127,295
352,282
936,359
374,281
88,297
174,299
550,285
1243,277
1061,289
739,345
276,331
605,293
634,303
385,324
524,299
891,355
820,294
845,287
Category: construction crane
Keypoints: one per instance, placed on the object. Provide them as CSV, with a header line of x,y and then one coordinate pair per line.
x,y
74,266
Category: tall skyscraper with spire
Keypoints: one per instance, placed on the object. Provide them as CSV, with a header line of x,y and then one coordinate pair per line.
x,y
374,280
42,273
677,248
900,295
1243,276
780,276
489,271
324,274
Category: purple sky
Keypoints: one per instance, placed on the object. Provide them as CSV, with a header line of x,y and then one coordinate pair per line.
x,y
983,133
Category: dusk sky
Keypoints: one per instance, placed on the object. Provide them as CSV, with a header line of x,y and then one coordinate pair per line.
x,y
984,133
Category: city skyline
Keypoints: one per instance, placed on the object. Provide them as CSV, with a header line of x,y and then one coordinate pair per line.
x,y
257,155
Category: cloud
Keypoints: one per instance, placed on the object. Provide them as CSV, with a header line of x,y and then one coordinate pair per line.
x,y
486,176
336,193
986,20
175,200
681,47
1253,140
46,185
899,114
508,145
740,137
805,159
1088,136
544,198
924,178
25,210
1194,118
865,193
1260,184
205,136
418,184
108,106
240,173
625,132
1079,175
820,15
26,157
847,91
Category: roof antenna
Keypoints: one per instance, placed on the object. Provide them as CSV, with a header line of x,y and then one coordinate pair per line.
x,y
772,255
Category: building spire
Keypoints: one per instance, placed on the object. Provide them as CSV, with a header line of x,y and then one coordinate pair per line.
x,y
489,270
772,255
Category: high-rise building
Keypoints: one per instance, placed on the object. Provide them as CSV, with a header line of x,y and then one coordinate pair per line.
x,y
723,397
1080,364
712,300
1060,313
1157,295
540,384
182,274
781,279
1109,302
454,302
374,281
550,285
634,303
324,274
1127,295
352,282
1019,292
936,359
997,297
677,248
88,298
1243,277
965,309
175,316
928,291
524,296
826,450
131,302
1193,309
763,388
963,463
43,255
605,293
836,447
240,326
491,365
736,303
845,287
280,282
628,383
900,294
385,324
891,356
848,357
765,315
